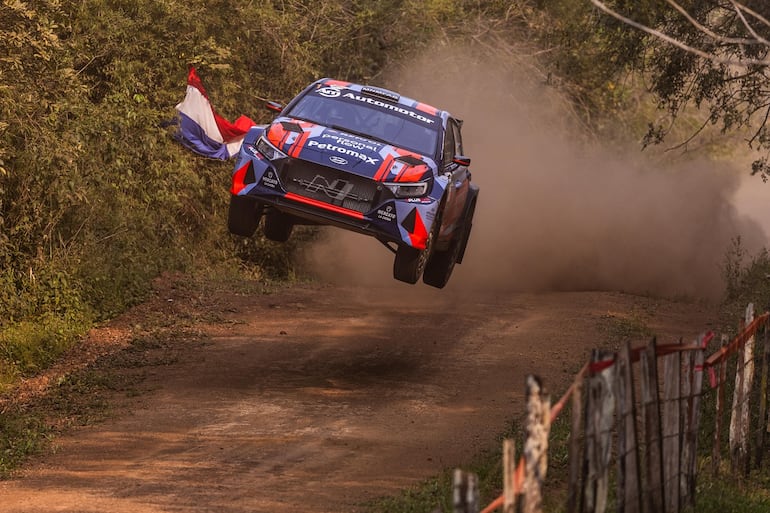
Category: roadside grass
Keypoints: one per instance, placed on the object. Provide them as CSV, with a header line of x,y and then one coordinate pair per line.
x,y
720,495
435,493
84,397
22,435
28,347
93,394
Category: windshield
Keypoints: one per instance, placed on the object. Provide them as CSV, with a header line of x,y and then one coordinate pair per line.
x,y
391,123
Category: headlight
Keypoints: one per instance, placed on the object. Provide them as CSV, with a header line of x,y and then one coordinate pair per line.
x,y
268,150
408,190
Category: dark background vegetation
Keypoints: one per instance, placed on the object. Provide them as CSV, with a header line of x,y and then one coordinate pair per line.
x,y
97,199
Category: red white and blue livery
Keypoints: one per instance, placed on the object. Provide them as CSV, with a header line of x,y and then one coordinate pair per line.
x,y
364,159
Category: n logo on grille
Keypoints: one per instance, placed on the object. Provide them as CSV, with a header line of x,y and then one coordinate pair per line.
x,y
337,190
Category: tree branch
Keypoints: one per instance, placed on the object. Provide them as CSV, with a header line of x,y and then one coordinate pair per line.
x,y
695,23
741,63
746,24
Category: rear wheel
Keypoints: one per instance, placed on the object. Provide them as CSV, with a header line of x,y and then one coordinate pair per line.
x,y
439,267
278,226
243,216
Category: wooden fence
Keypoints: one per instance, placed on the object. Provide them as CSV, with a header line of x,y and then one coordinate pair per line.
x,y
648,400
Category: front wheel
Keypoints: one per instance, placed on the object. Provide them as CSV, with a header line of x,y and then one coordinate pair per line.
x,y
243,216
409,263
278,226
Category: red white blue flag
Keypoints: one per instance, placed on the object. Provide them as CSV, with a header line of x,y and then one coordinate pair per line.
x,y
204,131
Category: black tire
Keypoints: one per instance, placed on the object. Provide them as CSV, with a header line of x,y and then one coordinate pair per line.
x,y
278,226
409,263
243,216
439,267
468,225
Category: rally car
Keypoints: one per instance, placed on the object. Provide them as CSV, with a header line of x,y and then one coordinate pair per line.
x,y
364,159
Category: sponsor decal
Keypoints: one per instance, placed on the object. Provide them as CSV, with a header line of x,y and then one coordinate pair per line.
x,y
270,180
423,200
329,91
338,160
387,214
348,140
388,106
344,151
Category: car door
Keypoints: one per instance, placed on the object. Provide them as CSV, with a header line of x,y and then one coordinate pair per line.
x,y
459,178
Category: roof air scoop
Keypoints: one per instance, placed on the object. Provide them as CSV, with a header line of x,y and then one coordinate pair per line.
x,y
382,94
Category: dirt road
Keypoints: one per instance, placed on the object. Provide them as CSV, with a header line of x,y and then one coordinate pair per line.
x,y
321,398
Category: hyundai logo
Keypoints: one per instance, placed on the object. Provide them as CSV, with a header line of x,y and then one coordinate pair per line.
x,y
338,160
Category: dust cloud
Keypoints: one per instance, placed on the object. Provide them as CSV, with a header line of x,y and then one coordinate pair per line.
x,y
557,212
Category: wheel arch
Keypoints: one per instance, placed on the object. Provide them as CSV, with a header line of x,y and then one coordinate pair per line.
x,y
470,210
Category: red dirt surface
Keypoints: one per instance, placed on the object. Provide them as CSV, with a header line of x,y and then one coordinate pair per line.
x,y
318,399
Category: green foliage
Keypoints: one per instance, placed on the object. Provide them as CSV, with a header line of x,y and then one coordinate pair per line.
x,y
20,436
96,198
732,97
747,280
723,496
28,346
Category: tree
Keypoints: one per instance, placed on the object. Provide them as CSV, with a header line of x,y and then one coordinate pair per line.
x,y
710,53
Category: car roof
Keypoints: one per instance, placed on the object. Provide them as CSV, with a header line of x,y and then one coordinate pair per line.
x,y
386,95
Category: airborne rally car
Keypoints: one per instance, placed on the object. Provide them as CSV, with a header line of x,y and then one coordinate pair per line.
x,y
364,159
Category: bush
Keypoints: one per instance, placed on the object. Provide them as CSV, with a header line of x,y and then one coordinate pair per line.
x,y
746,281
96,198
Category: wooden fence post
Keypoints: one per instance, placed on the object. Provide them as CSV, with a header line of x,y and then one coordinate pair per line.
x,y
671,430
536,445
509,471
654,493
694,387
573,491
716,453
740,418
685,386
628,459
600,410
700,358
767,357
763,427
465,496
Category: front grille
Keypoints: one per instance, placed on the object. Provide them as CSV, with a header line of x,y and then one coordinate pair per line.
x,y
329,185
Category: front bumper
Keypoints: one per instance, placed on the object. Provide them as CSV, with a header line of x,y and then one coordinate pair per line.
x,y
324,195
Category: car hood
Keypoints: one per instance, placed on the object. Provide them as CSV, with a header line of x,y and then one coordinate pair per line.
x,y
348,152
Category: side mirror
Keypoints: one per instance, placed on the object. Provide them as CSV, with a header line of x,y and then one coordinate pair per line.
x,y
274,106
462,160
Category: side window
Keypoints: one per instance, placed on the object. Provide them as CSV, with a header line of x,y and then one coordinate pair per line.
x,y
449,143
